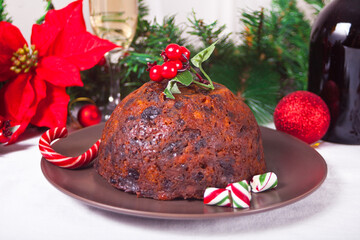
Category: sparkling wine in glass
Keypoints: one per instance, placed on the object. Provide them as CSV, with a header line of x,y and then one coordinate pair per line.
x,y
114,20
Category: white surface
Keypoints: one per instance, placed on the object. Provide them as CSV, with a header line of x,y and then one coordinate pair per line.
x,y
31,208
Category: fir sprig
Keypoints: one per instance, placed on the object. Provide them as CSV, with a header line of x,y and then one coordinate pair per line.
x,y
208,33
316,4
49,6
3,14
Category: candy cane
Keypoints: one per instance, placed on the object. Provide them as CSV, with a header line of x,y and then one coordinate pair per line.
x,y
217,196
240,194
263,182
60,160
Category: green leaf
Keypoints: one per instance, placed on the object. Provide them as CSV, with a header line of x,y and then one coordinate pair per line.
x,y
168,93
175,88
204,55
171,88
184,78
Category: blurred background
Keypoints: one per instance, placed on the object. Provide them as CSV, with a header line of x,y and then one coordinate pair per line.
x,y
24,12
261,55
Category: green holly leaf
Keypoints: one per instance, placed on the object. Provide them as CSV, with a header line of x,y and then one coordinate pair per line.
x,y
202,56
175,89
171,88
184,78
168,93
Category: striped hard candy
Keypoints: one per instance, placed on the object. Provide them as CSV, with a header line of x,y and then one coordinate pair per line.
x,y
240,194
217,196
263,182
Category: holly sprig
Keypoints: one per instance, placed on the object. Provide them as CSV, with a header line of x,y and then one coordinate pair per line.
x,y
190,75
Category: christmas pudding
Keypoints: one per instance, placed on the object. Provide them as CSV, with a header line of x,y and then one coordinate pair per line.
x,y
169,149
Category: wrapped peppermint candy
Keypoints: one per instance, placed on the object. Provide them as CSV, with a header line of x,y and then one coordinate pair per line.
x,y
263,182
217,196
240,194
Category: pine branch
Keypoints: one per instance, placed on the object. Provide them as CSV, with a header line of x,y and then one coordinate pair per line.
x,y
142,24
49,6
3,13
316,4
260,28
208,33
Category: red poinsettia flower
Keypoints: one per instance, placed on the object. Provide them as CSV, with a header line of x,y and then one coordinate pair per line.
x,y
37,75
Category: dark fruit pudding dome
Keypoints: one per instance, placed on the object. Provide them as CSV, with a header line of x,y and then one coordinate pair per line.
x,y
166,149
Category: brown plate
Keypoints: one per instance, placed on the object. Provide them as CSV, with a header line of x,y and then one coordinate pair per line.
x,y
300,170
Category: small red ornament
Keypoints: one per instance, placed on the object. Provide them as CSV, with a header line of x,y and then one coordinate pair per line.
x,y
304,115
89,115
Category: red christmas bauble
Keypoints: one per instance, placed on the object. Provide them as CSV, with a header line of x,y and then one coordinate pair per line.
x,y
304,115
89,115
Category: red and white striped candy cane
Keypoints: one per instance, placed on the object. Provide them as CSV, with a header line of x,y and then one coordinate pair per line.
x,y
60,160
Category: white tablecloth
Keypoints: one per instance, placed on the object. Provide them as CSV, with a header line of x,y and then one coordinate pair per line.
x,y
31,208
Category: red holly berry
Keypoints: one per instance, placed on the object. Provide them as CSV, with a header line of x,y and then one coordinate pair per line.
x,y
168,70
173,51
186,53
155,73
178,64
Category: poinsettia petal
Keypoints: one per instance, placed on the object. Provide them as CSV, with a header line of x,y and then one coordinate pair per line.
x,y
5,72
42,36
64,34
58,72
19,100
85,50
16,97
52,111
70,18
11,40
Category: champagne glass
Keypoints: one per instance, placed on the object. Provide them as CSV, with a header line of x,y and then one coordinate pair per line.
x,y
114,20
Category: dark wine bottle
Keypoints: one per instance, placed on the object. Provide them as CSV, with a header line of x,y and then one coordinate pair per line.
x,y
334,67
